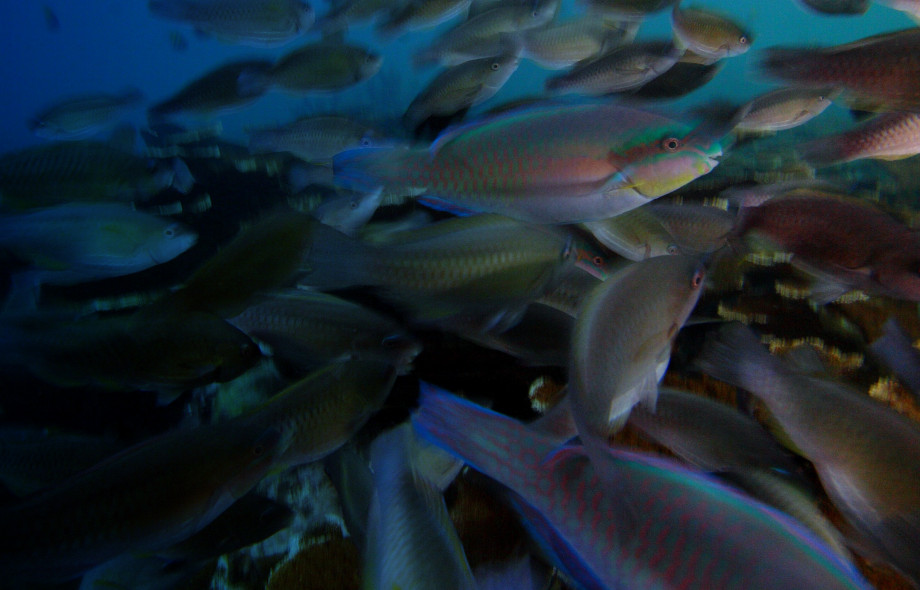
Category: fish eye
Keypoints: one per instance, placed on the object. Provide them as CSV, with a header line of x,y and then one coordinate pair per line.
x,y
670,144
672,249
697,279
366,141
353,204
743,40
598,261
495,65
169,232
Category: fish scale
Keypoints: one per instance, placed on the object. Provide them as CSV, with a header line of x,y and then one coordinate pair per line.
x,y
641,525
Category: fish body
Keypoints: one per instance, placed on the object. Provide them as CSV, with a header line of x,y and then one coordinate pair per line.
x,y
622,339
147,497
658,525
547,165
694,229
865,453
461,87
310,328
218,91
84,116
837,7
564,44
888,136
628,9
315,139
251,22
896,350
881,72
323,67
708,34
846,240
784,108
625,68
420,15
82,171
635,234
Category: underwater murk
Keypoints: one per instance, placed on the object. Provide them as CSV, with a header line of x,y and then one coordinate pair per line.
x,y
496,294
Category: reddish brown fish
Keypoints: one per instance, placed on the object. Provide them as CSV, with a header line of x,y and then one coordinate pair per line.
x,y
839,239
881,72
889,136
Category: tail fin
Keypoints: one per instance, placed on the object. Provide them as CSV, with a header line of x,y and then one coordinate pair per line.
x,y
791,64
366,169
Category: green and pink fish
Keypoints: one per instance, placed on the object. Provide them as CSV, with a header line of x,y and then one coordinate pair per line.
x,y
548,164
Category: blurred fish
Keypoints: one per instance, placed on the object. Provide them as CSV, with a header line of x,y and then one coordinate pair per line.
x,y
350,474
658,525
315,139
416,15
685,76
881,72
636,234
564,44
846,243
252,22
911,7
708,34
309,329
625,68
81,117
412,542
481,36
349,211
784,108
896,351
52,22
319,413
224,89
565,163
345,13
461,87
483,263
708,434
323,66
628,9
837,7
33,459
888,136
694,229
866,454
81,171
82,242
622,340
117,506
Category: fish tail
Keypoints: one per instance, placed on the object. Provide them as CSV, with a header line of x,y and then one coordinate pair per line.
x,y
825,151
366,169
736,356
490,442
791,64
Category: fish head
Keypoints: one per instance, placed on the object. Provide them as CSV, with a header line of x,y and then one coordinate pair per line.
x,y
171,241
658,161
369,65
687,275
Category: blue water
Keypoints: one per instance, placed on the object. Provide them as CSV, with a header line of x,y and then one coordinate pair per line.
x,y
108,45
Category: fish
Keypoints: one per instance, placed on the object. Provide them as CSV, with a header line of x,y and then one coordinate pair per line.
x,y
482,35
116,507
461,87
628,9
315,139
162,352
308,329
83,116
694,229
324,66
881,72
81,242
412,542
625,68
250,22
562,45
659,525
52,22
567,163
621,344
709,434
84,171
682,78
836,7
895,349
708,34
419,15
784,108
218,91
635,235
481,263
887,136
844,242
865,453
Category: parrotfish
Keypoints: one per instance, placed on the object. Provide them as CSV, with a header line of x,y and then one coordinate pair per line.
x,y
658,525
784,108
563,44
216,92
708,34
557,164
83,116
888,136
881,72
837,7
866,454
315,139
623,69
252,22
324,66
